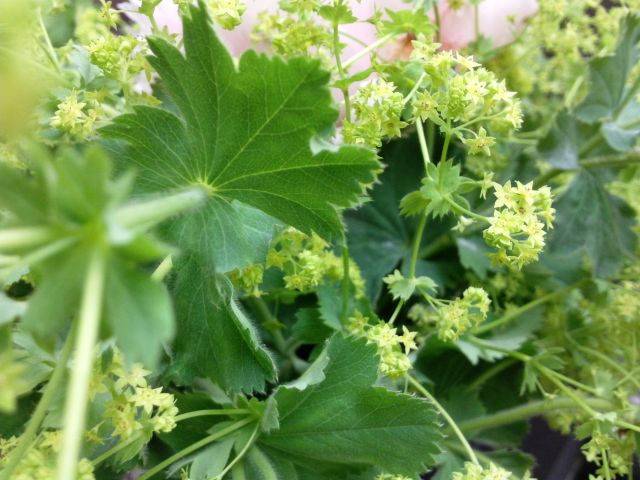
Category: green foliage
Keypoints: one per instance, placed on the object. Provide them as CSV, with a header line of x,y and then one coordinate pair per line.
x,y
205,313
351,438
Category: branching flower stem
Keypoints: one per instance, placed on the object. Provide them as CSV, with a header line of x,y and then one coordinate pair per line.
x,y
76,398
196,446
50,392
522,412
447,417
516,312
365,51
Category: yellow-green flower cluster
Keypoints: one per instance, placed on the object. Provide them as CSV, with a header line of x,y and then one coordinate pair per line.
x,y
394,362
120,57
227,13
517,227
131,404
77,114
613,449
306,261
377,109
294,30
564,33
453,318
460,96
40,461
473,471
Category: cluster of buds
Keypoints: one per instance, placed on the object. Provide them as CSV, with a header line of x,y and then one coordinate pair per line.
x,y
393,349
306,261
132,405
517,227
473,471
227,13
77,117
120,57
377,107
457,94
453,318
294,30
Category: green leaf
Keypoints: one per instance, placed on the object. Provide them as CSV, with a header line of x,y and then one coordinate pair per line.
x,y
404,288
608,76
592,220
338,14
138,311
406,21
215,338
211,461
472,252
622,133
246,135
561,146
441,184
341,420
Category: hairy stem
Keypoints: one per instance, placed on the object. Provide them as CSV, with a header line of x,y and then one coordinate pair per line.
x,y
76,398
523,412
417,241
516,312
365,51
447,417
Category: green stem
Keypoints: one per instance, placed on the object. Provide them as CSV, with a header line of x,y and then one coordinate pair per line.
x,y
338,57
439,244
445,146
417,241
48,46
50,392
603,358
413,91
395,313
492,372
378,43
436,14
195,446
19,238
212,412
115,449
140,216
522,412
163,269
447,417
424,148
516,312
465,211
38,256
269,322
77,390
346,282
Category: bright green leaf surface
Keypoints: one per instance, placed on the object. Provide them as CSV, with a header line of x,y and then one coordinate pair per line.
x,y
590,218
245,134
331,426
215,338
